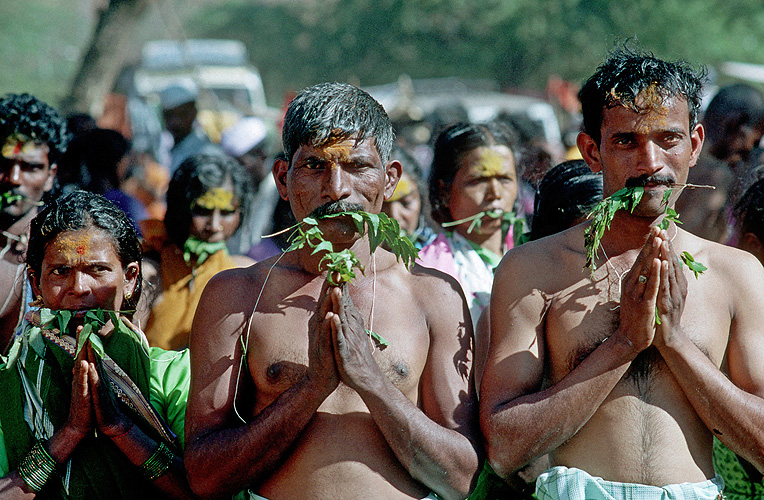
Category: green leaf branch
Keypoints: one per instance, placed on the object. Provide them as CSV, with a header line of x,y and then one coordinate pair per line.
x,y
628,199
508,220
602,216
93,320
8,198
341,265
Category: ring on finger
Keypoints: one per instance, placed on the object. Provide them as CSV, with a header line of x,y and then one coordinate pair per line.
x,y
642,278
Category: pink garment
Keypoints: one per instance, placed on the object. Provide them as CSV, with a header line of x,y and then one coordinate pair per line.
x,y
437,255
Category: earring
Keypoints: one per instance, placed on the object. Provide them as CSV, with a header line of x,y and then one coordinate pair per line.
x,y
37,302
129,295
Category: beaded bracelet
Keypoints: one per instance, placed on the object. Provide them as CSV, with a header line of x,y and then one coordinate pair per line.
x,y
37,467
158,463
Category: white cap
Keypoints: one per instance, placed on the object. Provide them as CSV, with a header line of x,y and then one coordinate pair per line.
x,y
243,136
177,93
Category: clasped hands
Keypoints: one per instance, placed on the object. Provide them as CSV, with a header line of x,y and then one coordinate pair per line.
x,y
93,405
339,348
653,295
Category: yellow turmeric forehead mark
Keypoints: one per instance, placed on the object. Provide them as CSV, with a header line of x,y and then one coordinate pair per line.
x,y
653,109
215,198
650,104
404,188
19,146
491,164
340,151
72,245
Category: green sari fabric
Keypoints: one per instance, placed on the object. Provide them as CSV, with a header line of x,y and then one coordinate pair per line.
x,y
97,468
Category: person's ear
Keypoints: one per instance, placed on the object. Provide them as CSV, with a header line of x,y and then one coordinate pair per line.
x,y
280,171
697,136
590,151
34,280
393,171
52,169
130,284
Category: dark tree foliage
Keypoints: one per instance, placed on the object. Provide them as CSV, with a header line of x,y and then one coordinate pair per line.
x,y
518,42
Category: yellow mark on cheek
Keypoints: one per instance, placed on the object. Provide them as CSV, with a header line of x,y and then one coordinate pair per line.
x,y
404,188
215,198
491,164
72,246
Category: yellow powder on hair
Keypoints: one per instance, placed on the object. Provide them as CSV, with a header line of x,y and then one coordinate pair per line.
x,y
650,103
215,198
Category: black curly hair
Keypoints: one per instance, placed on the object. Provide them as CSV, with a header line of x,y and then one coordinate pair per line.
x,y
628,71
82,210
26,115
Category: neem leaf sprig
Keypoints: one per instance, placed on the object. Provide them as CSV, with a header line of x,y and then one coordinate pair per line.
x,y
92,321
380,229
341,265
508,220
627,199
8,198
602,215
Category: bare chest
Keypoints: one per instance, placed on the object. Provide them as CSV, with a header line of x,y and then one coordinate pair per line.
x,y
580,317
278,343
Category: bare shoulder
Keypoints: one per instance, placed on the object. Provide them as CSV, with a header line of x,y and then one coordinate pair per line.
x,y
728,267
227,303
431,285
543,264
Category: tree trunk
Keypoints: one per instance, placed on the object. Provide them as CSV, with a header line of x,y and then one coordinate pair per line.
x,y
112,44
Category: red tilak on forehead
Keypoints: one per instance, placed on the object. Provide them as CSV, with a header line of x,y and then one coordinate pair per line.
x,y
17,147
81,249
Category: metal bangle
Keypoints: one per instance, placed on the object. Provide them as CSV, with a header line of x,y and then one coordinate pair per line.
x,y
158,463
37,467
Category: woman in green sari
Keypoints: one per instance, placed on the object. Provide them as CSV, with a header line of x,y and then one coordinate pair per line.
x,y
89,410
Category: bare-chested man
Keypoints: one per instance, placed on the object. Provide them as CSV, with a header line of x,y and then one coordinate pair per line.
x,y
314,409
32,137
577,365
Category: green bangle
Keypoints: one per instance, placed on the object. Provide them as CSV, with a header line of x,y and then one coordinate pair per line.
x,y
158,463
37,467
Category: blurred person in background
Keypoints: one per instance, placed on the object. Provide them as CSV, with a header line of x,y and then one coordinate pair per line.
x,y
749,218
734,124
99,160
473,175
206,201
179,111
407,205
565,196
247,141
32,137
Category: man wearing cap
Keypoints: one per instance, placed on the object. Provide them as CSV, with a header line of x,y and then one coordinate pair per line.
x,y
178,102
247,141
32,137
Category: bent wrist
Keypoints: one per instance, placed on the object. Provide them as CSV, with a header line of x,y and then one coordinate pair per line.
x,y
624,346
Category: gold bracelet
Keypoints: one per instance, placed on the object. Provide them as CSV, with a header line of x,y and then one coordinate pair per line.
x,y
37,467
158,463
